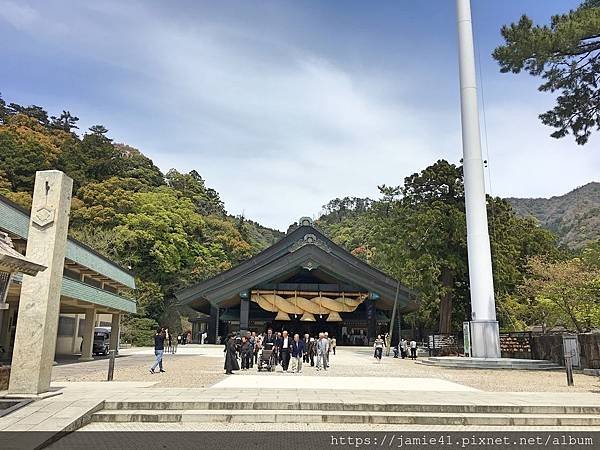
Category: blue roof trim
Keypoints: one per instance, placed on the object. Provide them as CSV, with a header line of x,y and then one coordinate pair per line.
x,y
81,291
14,219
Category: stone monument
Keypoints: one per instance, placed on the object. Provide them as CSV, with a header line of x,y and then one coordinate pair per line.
x,y
39,305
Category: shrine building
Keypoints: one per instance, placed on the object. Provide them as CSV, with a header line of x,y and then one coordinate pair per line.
x,y
305,283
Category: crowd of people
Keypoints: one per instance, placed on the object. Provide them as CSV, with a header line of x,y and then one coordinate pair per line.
x,y
290,352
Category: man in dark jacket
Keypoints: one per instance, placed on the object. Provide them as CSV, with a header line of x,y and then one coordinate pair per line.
x,y
269,339
231,362
159,349
297,354
246,353
312,351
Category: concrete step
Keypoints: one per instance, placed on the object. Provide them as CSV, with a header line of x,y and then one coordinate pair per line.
x,y
165,407
375,417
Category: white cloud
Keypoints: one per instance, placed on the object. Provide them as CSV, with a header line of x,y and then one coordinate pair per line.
x,y
277,128
20,16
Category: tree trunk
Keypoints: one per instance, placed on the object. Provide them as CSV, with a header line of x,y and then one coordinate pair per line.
x,y
447,280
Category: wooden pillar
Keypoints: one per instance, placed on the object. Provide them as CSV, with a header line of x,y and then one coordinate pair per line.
x,y
371,320
213,324
244,312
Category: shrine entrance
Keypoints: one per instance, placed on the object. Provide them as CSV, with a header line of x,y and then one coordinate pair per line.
x,y
304,283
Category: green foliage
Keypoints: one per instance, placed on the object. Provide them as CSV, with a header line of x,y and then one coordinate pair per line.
x,y
417,232
139,331
562,293
170,230
191,185
566,55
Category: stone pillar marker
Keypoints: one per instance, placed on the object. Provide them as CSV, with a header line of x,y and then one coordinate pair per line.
x,y
87,346
39,305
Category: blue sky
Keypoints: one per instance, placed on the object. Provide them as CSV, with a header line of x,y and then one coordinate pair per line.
x,y
284,105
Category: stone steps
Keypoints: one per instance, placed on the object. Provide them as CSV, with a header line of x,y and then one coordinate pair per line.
x,y
374,417
489,363
167,406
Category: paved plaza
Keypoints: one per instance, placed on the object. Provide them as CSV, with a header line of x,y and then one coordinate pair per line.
x,y
202,366
194,383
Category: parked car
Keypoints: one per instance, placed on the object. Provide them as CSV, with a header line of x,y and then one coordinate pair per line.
x,y
101,342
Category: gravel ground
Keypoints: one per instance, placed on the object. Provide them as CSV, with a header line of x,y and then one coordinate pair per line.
x,y
205,369
180,371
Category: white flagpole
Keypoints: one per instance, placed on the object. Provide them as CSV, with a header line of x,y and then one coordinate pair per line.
x,y
484,326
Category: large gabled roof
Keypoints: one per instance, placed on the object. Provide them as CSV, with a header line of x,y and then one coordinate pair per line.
x,y
304,247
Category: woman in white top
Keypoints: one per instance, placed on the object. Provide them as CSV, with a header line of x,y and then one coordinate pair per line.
x,y
378,347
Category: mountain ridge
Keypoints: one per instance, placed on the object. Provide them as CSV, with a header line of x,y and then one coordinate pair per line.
x,y
574,217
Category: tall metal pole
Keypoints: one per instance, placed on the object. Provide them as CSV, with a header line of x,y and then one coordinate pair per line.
x,y
394,309
484,326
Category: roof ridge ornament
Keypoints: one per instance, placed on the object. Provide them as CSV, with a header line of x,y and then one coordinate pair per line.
x,y
305,222
310,239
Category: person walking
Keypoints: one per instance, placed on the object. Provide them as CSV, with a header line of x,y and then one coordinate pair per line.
x,y
333,344
297,352
403,348
252,341
306,358
159,349
378,345
413,349
168,339
285,344
328,346
322,352
231,362
258,345
312,351
246,353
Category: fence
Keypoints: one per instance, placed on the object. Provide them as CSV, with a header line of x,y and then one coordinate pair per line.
x,y
550,347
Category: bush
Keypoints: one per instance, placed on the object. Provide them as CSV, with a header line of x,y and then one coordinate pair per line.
x,y
139,332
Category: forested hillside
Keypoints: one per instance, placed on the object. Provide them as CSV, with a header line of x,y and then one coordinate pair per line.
x,y
417,232
573,217
170,228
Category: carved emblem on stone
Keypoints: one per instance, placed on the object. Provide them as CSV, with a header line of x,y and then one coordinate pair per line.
x,y
43,216
309,239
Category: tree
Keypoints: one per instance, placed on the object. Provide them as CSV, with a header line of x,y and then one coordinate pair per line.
x,y
566,55
417,232
565,292
3,110
36,112
192,186
136,165
93,158
26,147
65,122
